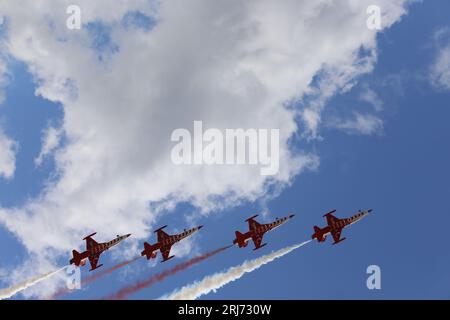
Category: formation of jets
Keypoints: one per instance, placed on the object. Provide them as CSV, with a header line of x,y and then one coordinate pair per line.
x,y
255,233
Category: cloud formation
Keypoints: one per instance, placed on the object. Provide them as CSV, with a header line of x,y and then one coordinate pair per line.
x,y
3,78
440,70
50,141
125,88
370,96
8,150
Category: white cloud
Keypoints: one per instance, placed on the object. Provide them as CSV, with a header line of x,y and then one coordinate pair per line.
x,y
439,73
231,64
8,149
50,140
361,123
3,78
440,70
370,96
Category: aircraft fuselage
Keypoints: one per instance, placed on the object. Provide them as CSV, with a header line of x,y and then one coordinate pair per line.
x,y
103,246
263,228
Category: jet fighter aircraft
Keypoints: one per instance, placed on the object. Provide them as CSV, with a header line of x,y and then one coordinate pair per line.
x,y
336,225
165,243
257,231
94,250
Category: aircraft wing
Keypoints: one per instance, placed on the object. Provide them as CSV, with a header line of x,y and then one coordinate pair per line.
x,y
165,251
93,260
252,224
90,243
336,235
257,239
162,236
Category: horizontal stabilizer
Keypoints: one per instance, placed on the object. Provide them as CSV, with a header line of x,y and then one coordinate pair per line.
x,y
318,234
240,240
76,260
149,251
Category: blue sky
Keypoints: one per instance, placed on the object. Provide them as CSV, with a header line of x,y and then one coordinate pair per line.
x,y
401,171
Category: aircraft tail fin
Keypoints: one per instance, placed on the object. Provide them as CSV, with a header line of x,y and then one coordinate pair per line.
x,y
318,234
240,240
76,259
149,251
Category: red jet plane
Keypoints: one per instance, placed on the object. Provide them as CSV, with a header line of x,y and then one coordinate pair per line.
x,y
93,251
165,243
336,225
257,231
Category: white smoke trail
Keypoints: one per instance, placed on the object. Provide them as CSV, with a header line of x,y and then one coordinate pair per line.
x,y
9,292
218,280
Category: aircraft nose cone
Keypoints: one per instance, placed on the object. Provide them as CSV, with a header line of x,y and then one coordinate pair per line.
x,y
369,211
128,235
292,215
199,227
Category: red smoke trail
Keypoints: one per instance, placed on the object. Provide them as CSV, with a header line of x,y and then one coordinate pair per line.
x,y
105,272
93,278
124,292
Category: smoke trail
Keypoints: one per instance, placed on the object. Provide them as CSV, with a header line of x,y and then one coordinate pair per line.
x,y
93,278
218,280
124,292
105,272
9,292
